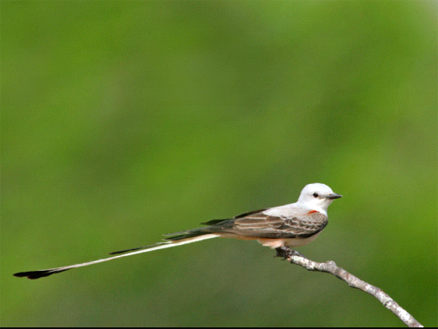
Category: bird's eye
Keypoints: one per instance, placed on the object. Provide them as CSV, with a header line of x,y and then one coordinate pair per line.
x,y
315,195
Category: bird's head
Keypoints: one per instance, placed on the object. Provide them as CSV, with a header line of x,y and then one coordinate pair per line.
x,y
317,196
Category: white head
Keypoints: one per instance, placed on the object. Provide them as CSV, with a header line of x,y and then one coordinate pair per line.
x,y
317,196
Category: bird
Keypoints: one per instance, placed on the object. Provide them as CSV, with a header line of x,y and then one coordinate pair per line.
x,y
291,225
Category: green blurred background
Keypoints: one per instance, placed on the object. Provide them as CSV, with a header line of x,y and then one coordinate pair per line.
x,y
122,121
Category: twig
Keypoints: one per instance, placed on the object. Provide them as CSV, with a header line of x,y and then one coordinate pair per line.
x,y
296,258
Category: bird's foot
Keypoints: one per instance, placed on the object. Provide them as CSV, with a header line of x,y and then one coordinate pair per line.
x,y
286,252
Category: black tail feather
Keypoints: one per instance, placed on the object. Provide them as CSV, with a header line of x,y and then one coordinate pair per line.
x,y
138,248
214,221
38,274
123,251
186,234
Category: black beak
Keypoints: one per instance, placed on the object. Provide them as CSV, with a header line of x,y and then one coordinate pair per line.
x,y
334,196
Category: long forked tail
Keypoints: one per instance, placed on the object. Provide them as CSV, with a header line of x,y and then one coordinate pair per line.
x,y
177,239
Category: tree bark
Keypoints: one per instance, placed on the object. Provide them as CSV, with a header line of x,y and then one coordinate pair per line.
x,y
296,258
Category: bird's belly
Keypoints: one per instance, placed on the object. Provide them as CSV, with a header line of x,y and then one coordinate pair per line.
x,y
294,242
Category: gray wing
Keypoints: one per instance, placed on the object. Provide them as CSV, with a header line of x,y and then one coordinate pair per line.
x,y
260,225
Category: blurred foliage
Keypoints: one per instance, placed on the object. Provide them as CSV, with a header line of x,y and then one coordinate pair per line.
x,y
124,120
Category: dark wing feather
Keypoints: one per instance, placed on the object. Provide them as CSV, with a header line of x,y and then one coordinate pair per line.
x,y
219,221
247,214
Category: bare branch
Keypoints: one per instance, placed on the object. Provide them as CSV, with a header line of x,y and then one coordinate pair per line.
x,y
296,258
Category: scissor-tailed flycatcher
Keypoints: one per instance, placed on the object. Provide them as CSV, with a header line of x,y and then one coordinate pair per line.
x,y
291,225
